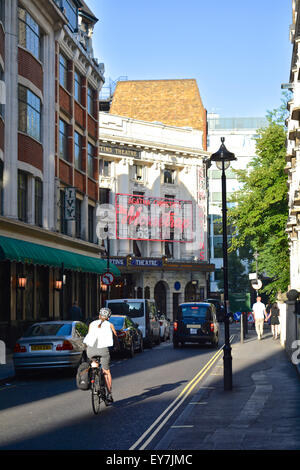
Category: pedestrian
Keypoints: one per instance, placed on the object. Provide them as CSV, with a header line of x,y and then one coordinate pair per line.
x,y
75,311
268,310
274,315
260,314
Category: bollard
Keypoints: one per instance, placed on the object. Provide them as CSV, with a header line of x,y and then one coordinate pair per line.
x,y
242,327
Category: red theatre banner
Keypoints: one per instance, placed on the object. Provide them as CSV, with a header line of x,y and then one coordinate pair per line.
x,y
153,218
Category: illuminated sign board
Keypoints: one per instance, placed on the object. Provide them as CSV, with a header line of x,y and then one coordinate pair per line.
x,y
153,218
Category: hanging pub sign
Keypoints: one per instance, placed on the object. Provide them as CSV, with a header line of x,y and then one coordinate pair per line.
x,y
70,203
153,218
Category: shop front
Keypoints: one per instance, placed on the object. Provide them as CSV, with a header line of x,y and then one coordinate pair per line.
x,y
40,282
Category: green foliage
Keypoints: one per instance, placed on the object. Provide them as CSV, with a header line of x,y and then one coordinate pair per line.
x,y
261,207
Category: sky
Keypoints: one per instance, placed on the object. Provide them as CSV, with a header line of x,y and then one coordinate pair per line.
x,y
238,50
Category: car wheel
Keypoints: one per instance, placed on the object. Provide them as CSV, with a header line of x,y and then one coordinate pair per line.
x,y
131,350
141,348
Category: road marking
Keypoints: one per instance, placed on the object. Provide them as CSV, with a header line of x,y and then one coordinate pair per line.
x,y
198,403
170,410
183,426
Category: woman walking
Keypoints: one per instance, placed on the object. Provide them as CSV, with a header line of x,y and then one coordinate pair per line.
x,y
274,315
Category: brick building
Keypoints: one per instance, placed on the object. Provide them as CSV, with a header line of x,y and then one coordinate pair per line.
x,y
50,83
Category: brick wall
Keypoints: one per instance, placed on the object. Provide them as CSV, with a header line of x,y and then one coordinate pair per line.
x,y
65,172
65,100
30,151
30,68
172,102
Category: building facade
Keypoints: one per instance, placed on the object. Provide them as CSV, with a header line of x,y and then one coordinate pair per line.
x,y
50,83
149,172
293,156
239,136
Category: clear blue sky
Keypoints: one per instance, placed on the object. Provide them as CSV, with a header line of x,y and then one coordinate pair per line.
x,y
237,50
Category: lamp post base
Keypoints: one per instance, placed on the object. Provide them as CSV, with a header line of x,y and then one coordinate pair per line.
x,y
227,362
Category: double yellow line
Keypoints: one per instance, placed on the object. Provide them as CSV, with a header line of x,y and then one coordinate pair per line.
x,y
160,422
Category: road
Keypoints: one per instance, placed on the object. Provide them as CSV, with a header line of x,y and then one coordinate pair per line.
x,y
49,412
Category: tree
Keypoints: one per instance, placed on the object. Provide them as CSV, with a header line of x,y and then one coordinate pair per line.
x,y
260,209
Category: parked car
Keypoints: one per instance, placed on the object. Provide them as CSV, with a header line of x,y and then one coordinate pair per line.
x,y
141,311
129,335
219,308
196,322
165,327
50,345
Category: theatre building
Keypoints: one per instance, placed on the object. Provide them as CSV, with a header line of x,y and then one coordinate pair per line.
x,y
153,193
50,82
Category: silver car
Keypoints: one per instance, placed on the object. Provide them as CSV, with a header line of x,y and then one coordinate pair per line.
x,y
53,344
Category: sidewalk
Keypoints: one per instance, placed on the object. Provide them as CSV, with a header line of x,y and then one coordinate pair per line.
x,y
261,412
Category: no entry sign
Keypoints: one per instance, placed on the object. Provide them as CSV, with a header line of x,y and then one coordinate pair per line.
x,y
107,278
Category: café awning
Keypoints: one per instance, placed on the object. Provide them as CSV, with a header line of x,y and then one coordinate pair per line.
x,y
33,253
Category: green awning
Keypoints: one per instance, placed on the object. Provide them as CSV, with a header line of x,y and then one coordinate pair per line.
x,y
32,253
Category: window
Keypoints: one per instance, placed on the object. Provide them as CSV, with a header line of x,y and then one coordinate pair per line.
x,y
29,33
91,224
78,150
63,140
78,219
38,207
63,71
29,113
2,11
138,172
104,195
77,86
169,176
91,161
105,168
71,13
90,101
22,196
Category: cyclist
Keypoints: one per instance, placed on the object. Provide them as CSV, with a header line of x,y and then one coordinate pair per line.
x,y
98,340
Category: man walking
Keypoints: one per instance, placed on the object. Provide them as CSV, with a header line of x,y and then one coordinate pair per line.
x,y
260,314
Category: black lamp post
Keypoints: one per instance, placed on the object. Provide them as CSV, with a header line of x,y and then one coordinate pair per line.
x,y
223,158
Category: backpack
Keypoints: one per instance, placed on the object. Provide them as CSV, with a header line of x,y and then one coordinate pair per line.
x,y
83,376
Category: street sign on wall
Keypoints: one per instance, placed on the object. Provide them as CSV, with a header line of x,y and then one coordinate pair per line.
x,y
70,203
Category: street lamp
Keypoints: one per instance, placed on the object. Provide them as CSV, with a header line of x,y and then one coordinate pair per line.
x,y
223,158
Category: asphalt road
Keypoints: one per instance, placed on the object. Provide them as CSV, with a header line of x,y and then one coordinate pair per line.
x,y
47,412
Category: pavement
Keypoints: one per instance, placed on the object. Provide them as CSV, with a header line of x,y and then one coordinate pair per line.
x,y
261,412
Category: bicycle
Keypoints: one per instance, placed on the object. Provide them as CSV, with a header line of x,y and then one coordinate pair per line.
x,y
98,385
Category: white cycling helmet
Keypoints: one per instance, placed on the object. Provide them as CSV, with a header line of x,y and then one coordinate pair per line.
x,y
105,313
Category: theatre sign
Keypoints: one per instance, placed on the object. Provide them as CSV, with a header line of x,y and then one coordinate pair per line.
x,y
153,218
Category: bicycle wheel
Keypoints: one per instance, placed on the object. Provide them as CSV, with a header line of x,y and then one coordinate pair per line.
x,y
95,389
103,390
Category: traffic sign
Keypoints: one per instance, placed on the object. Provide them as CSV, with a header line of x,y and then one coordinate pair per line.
x,y
107,278
257,285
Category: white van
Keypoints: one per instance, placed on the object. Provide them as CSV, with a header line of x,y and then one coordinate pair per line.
x,y
141,311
